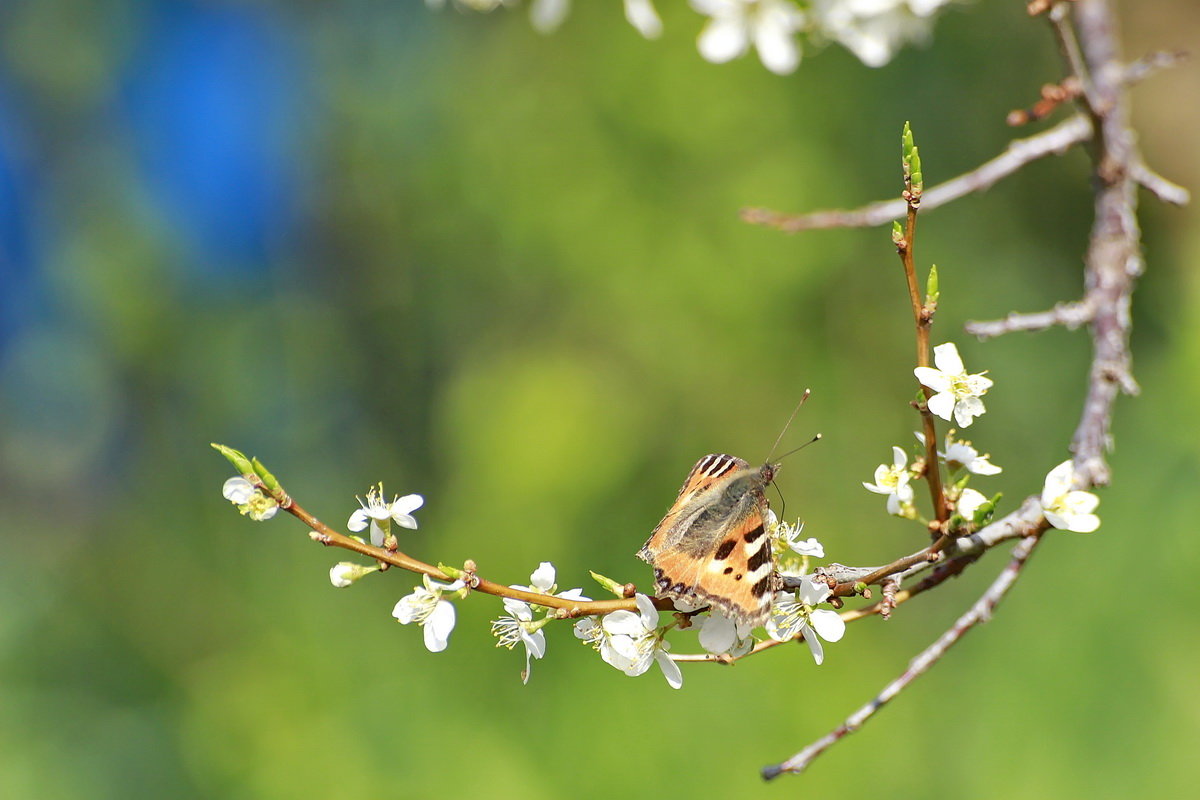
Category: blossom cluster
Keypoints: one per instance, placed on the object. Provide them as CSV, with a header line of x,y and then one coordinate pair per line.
x,y
873,30
956,395
630,641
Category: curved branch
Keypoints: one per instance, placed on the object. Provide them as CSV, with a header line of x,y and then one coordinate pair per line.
x,y
1053,141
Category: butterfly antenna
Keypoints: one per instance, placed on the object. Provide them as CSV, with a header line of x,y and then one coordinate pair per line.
x,y
787,425
813,440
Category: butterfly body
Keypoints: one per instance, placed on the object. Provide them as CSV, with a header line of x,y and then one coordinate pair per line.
x,y
712,546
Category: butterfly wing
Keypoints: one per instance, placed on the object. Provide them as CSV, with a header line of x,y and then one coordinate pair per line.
x,y
711,548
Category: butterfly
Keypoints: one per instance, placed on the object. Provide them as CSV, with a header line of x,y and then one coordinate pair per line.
x,y
712,547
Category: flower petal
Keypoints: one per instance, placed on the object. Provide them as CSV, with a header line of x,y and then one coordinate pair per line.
x,y
547,15
829,625
723,40
813,591
237,490
542,579
670,669
776,45
377,534
438,627
814,645
947,359
717,633
648,611
642,16
358,520
1059,481
535,643
932,378
623,623
941,405
967,409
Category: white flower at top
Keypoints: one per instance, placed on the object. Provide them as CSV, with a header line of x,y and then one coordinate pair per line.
x,y
875,29
893,481
630,642
793,614
426,607
380,514
249,499
547,15
769,25
1065,507
957,393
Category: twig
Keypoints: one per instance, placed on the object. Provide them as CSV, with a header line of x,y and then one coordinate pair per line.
x,y
1068,46
1053,141
1160,187
981,611
1024,523
1147,65
567,607
923,311
1069,315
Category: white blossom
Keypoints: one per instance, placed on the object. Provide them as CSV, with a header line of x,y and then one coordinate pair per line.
x,y
793,614
344,573
769,25
893,481
380,514
957,393
786,536
518,625
961,455
426,607
631,642
541,581
1065,507
875,29
249,499
969,502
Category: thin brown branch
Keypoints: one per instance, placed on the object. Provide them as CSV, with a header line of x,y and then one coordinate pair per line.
x,y
981,611
922,320
567,608
1068,47
1053,141
1052,96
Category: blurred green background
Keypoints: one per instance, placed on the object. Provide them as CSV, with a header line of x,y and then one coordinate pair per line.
x,y
365,241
